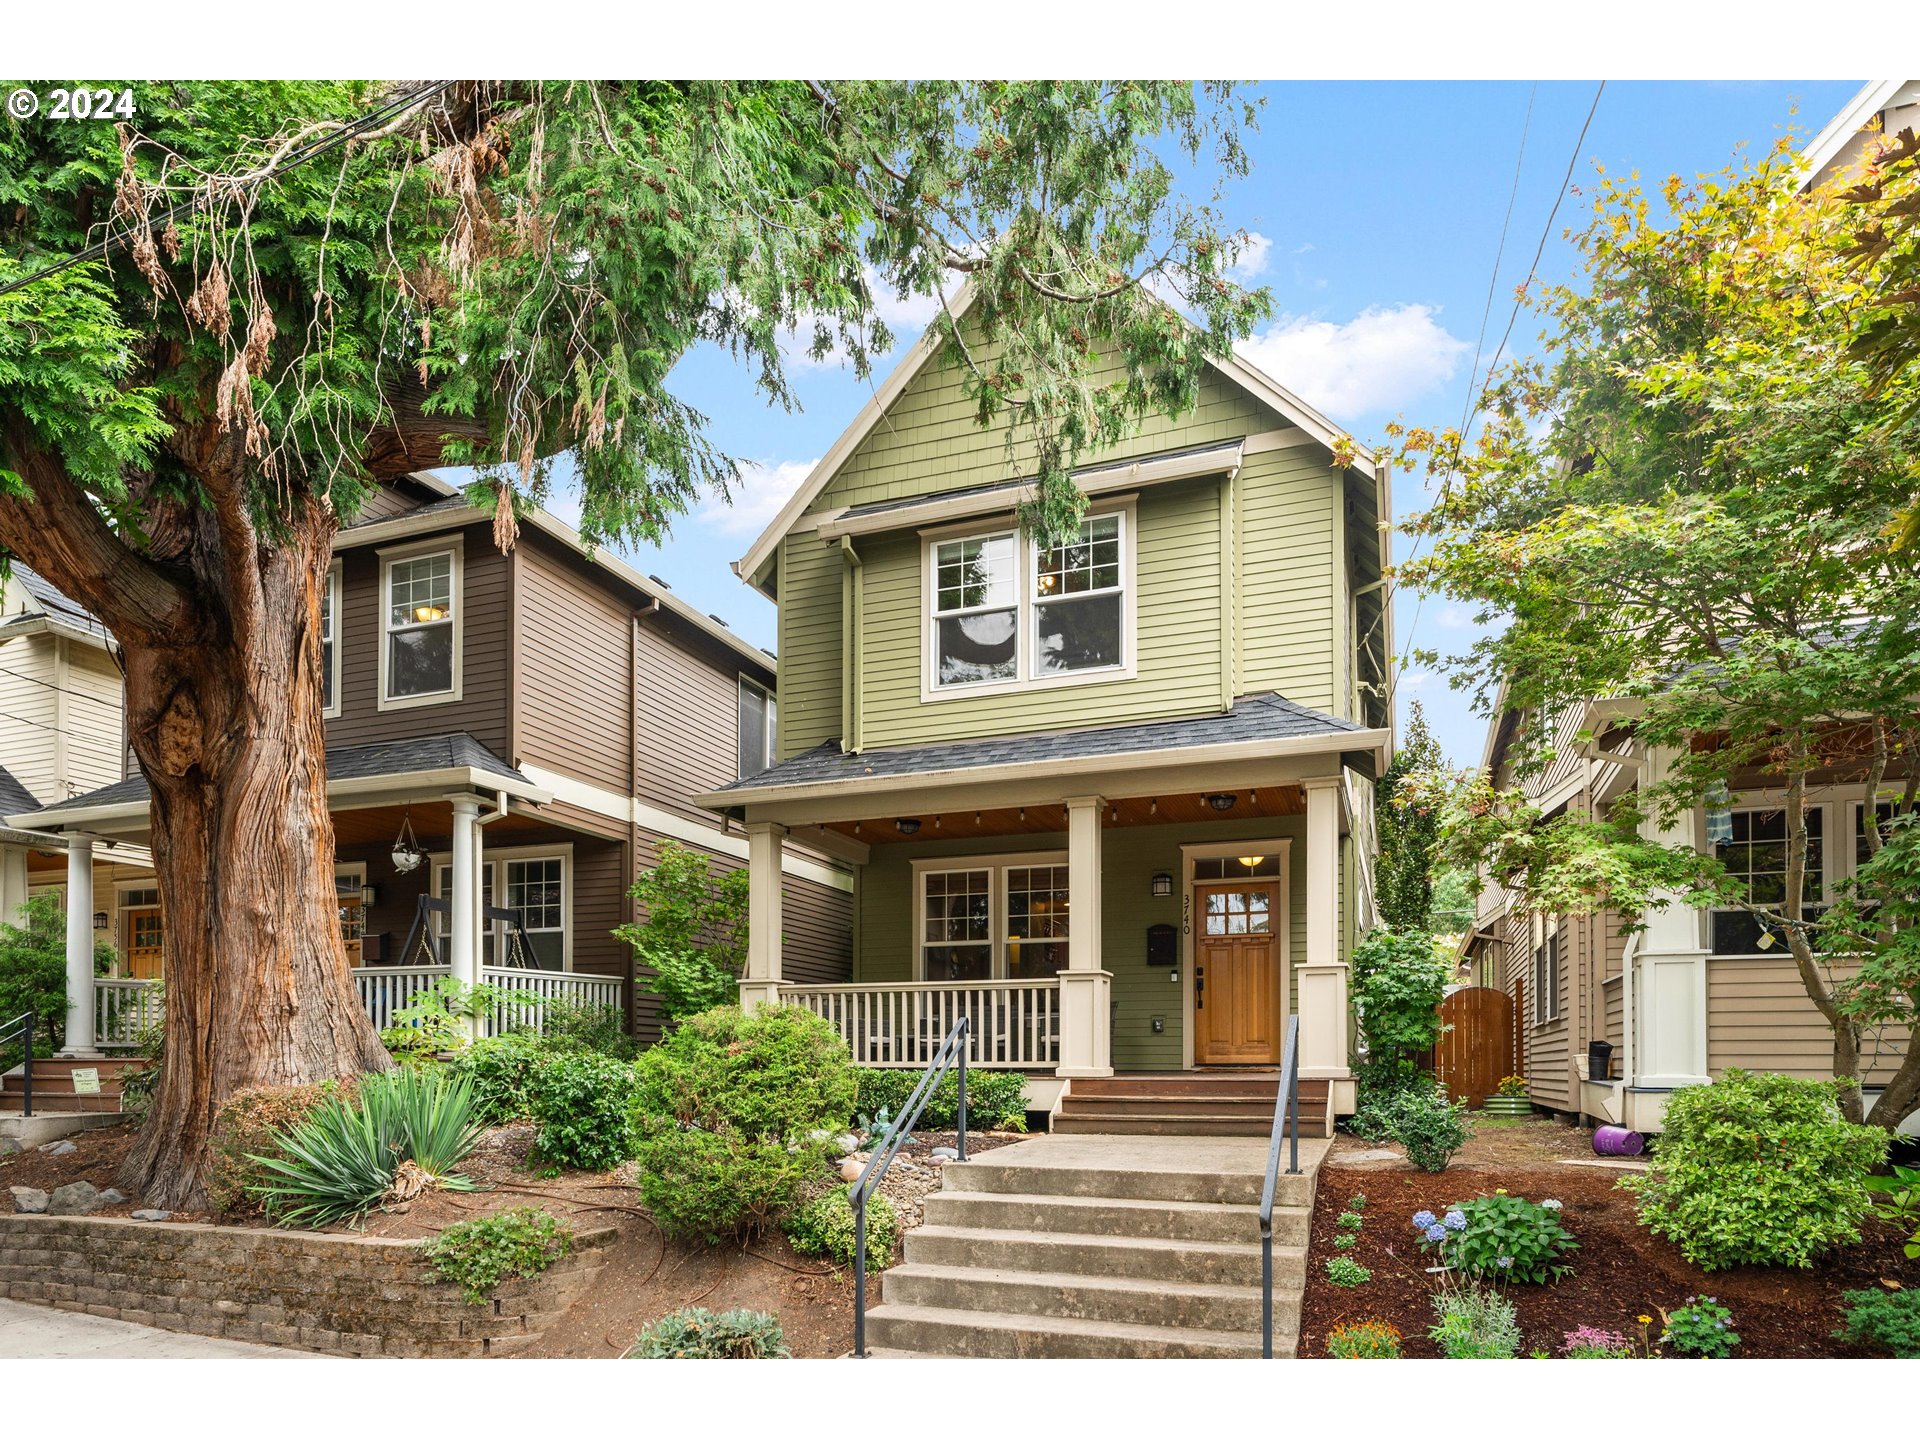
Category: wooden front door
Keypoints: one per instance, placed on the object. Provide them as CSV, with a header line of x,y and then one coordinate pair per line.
x,y
1237,1000
144,930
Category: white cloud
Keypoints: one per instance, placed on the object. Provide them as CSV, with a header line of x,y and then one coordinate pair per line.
x,y
1380,360
764,487
905,317
1250,261
1456,617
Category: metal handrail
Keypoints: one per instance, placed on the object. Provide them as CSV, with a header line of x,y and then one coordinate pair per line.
x,y
1286,1117
23,1027
952,1052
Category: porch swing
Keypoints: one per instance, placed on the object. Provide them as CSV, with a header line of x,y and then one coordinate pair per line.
x,y
423,949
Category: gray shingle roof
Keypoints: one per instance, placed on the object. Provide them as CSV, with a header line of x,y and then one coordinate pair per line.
x,y
344,762
432,507
15,798
56,605
1269,716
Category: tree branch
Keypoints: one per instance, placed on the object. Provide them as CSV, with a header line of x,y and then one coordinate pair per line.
x,y
415,440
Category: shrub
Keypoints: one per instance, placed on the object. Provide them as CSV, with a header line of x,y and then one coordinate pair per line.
x,y
402,1134
1758,1170
996,1099
1364,1340
439,1020
150,1047
1349,1220
692,943
478,1254
735,1113
1475,1324
583,1104
696,1334
503,1071
1347,1272
1897,1197
1399,978
1887,1320
1357,1202
565,1024
1499,1237
1585,1342
1379,1089
1702,1326
246,1126
1429,1127
33,974
824,1226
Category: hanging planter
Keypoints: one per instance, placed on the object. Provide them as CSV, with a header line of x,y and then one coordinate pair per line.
x,y
407,853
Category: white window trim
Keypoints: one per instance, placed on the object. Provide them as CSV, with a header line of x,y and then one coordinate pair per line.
x,y
450,545
335,598
1834,866
1025,608
773,719
1545,937
495,859
997,864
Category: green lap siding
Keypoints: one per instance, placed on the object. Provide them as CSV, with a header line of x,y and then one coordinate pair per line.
x,y
810,643
1289,535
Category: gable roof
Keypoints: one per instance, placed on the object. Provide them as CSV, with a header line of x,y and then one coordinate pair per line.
x,y
1872,98
15,798
1248,377
52,607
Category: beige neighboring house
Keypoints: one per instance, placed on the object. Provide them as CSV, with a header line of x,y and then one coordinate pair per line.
x,y
1696,992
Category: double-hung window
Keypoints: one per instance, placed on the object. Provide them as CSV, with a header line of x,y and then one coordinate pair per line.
x,y
329,642
758,719
1755,857
1005,612
534,885
1004,919
420,620
1546,976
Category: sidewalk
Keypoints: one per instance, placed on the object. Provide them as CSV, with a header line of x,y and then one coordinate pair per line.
x,y
36,1332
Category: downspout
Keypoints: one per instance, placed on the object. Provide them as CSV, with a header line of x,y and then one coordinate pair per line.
x,y
852,608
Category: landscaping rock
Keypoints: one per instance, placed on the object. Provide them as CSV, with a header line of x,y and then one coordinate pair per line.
x,y
153,1214
75,1199
850,1169
58,1147
945,1152
10,1146
29,1201
110,1197
847,1144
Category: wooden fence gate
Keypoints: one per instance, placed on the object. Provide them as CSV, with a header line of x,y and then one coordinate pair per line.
x,y
1476,1053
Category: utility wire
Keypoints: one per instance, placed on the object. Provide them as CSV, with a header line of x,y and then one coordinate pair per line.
x,y
313,150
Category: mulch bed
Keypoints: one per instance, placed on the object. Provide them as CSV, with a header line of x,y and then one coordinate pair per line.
x,y
1620,1271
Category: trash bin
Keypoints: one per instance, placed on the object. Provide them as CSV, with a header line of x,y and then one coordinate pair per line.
x,y
1599,1059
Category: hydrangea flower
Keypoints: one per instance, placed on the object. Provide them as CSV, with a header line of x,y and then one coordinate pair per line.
x,y
1436,1233
1424,1220
1505,1262
1549,1204
1455,1220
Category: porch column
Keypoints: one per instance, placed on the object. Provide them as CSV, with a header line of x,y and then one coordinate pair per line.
x,y
1086,989
79,948
1670,990
463,905
766,845
1323,977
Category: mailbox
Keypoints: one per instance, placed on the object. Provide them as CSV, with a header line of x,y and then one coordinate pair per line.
x,y
1163,945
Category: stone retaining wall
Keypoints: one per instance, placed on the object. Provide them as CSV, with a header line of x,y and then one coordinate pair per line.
x,y
342,1294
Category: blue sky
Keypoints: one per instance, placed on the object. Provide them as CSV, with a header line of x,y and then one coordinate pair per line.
x,y
1380,208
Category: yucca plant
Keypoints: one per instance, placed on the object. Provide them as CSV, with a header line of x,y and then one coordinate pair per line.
x,y
402,1134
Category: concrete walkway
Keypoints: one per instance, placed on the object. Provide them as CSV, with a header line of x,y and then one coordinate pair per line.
x,y
34,1332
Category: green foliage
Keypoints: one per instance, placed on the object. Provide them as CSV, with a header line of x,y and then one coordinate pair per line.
x,y
1428,1126
696,1334
1897,1197
824,1226
1349,1220
1380,1086
250,1124
583,1104
1475,1324
478,1254
1702,1326
996,1099
1455,899
1408,826
439,1020
504,1072
1587,1342
137,1085
736,1112
1398,982
1500,1237
567,1023
33,969
1356,1201
693,941
1347,1272
1345,1241
402,1133
1364,1340
1758,1169
1885,1320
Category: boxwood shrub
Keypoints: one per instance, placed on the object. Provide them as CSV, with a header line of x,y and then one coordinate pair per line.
x,y
583,1103
824,1226
996,1099
1758,1169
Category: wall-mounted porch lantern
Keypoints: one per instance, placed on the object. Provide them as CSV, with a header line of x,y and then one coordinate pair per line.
x,y
1162,884
99,919
369,896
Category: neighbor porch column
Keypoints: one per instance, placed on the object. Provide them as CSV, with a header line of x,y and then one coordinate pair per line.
x,y
766,847
463,905
1323,976
13,883
1670,990
1086,988
79,948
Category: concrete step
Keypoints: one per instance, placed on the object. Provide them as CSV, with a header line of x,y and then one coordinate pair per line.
x,y
930,1330
1106,1298
42,1127
1168,1125
985,1176
1164,1220
1130,1257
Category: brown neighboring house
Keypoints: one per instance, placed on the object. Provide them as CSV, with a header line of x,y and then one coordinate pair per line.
x,y
531,725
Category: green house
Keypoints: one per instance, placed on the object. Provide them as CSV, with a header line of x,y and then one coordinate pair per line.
x,y
1111,801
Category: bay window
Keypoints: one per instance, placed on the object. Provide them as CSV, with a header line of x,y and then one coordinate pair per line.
x,y
1003,918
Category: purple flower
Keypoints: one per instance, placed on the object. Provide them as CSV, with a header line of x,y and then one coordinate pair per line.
x,y
1455,1220
1506,1262
1436,1233
1424,1220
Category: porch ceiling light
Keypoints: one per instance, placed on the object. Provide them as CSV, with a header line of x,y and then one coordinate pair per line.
x,y
1250,861
1222,802
1162,884
906,825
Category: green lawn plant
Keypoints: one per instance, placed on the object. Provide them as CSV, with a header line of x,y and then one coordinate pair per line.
x,y
1347,1272
1758,1169
583,1104
403,1132
824,1226
697,1334
478,1254
1429,1127
1474,1323
1884,1320
1345,1241
1500,1237
1349,1220
1702,1327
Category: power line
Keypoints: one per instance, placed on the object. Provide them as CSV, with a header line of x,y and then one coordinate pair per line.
x,y
310,151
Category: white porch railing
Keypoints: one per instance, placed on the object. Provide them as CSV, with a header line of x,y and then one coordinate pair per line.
x,y
1015,1023
122,1008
